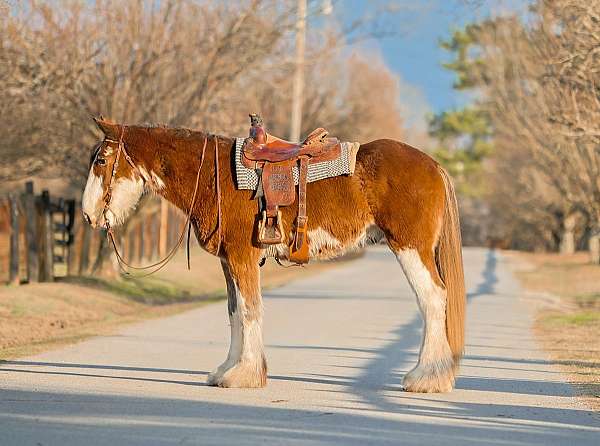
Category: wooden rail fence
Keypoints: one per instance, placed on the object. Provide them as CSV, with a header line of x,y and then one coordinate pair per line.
x,y
43,237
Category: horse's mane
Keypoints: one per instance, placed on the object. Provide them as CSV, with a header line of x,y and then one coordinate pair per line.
x,y
162,132
163,129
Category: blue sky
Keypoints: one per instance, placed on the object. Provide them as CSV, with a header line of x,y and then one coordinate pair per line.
x,y
414,52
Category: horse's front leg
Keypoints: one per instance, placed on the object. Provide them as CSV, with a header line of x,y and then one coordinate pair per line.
x,y
245,365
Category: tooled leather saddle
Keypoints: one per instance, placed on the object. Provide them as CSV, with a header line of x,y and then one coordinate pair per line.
x,y
274,160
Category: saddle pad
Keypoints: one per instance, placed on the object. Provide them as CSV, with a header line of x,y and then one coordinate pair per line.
x,y
344,165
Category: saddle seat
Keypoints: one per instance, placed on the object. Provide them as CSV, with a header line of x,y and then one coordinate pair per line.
x,y
264,147
273,150
274,159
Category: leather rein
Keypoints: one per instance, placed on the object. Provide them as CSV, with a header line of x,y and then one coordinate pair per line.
x,y
107,198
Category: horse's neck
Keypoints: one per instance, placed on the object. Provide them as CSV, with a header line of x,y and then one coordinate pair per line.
x,y
180,174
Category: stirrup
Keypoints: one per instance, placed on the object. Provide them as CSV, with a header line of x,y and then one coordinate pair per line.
x,y
299,247
269,232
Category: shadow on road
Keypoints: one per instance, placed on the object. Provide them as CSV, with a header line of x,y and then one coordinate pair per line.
x,y
376,389
384,371
85,419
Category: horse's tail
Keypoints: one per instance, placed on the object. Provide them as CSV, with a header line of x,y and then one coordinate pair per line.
x,y
450,264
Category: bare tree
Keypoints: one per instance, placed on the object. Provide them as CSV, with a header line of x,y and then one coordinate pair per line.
x,y
540,87
355,97
172,62
177,62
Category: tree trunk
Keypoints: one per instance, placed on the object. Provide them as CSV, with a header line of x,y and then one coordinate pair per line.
x,y
594,248
567,242
105,264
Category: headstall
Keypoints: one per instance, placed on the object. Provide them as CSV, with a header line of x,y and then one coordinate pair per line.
x,y
107,198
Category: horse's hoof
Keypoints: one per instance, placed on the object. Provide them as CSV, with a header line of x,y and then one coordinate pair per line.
x,y
436,378
214,378
242,375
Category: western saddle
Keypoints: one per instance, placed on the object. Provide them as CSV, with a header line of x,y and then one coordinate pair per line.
x,y
274,160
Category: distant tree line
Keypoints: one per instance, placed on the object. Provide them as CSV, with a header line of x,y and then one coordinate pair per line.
x,y
526,152
194,64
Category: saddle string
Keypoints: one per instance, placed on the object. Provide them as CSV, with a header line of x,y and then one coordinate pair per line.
x,y
157,265
217,229
218,187
123,264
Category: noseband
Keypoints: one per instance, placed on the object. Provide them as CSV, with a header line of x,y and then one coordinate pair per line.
x,y
107,198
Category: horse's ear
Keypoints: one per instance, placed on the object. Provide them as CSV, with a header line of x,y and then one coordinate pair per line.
x,y
110,129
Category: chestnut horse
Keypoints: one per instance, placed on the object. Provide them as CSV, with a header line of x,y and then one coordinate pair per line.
x,y
397,194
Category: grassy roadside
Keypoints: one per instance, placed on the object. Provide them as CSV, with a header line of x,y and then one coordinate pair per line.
x,y
38,317
569,326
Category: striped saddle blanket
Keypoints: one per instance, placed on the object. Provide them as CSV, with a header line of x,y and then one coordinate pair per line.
x,y
344,165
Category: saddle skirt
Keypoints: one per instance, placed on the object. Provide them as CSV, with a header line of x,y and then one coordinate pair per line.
x,y
247,178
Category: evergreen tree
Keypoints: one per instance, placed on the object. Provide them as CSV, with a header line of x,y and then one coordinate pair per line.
x,y
464,135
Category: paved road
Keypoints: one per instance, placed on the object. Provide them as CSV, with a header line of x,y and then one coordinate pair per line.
x,y
338,344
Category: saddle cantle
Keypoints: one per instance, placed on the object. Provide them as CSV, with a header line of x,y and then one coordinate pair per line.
x,y
274,159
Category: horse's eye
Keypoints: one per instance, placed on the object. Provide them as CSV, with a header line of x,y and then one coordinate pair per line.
x,y
101,161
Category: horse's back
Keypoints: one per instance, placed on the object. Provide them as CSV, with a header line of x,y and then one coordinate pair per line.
x,y
386,159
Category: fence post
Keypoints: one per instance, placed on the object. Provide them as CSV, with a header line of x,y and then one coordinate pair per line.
x,y
84,252
149,237
4,240
13,274
72,227
23,251
125,242
131,244
140,242
33,264
173,227
155,236
47,238
93,251
163,228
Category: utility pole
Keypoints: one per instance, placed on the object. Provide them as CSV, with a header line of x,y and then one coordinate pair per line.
x,y
296,124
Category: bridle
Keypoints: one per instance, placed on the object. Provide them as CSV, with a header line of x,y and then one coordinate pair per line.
x,y
107,198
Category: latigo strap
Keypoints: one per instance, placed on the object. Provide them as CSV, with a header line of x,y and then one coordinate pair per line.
x,y
274,160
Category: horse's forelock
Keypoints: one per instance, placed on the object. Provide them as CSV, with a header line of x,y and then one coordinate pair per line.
x,y
94,153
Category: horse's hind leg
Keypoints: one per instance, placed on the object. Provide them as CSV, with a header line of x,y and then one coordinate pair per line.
x,y
435,370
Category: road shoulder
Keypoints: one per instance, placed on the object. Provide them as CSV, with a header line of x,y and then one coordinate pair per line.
x,y
565,293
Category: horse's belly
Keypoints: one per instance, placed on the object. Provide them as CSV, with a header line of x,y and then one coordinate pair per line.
x,y
325,245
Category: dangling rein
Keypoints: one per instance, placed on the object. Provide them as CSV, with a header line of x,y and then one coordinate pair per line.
x,y
157,266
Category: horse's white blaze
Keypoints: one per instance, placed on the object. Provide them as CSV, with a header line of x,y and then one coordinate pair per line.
x,y
435,355
92,196
125,195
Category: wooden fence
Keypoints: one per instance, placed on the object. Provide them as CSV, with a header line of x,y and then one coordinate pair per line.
x,y
43,237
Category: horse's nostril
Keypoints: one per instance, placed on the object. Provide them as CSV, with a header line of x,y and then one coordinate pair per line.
x,y
87,218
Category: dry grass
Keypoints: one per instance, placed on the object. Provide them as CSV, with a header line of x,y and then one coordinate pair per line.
x,y
570,329
40,316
